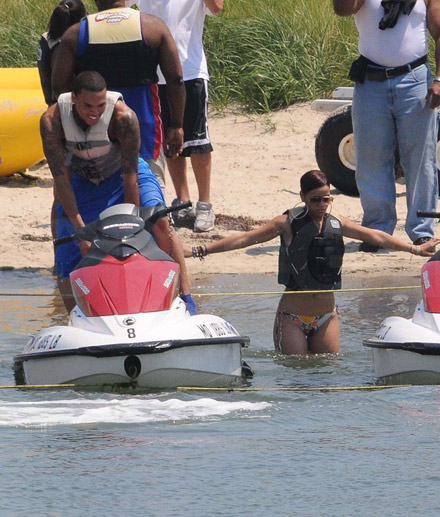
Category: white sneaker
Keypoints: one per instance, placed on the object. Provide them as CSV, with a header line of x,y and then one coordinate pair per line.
x,y
205,217
184,213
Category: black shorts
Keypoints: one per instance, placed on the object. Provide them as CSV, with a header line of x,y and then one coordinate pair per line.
x,y
195,120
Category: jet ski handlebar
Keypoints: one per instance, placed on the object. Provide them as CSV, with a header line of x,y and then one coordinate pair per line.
x,y
149,214
433,215
152,218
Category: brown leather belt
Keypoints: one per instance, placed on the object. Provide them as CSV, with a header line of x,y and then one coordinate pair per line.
x,y
377,73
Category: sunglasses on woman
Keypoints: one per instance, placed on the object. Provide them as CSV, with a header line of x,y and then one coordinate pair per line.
x,y
319,199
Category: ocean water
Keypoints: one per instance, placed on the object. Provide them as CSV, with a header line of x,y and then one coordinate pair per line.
x,y
190,453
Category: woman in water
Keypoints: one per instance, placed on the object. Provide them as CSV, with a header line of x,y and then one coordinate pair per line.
x,y
310,259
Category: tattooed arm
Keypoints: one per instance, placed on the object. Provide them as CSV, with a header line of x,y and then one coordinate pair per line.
x,y
52,136
124,129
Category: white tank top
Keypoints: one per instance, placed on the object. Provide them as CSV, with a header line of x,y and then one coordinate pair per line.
x,y
185,20
404,43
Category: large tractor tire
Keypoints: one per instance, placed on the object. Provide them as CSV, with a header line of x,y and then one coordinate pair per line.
x,y
334,151
335,155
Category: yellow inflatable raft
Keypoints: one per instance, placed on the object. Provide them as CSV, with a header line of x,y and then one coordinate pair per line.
x,y
19,79
21,106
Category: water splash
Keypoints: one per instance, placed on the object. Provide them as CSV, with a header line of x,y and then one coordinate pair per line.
x,y
125,411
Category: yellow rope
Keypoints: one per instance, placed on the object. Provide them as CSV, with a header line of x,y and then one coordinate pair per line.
x,y
18,295
36,386
194,388
320,389
258,293
353,290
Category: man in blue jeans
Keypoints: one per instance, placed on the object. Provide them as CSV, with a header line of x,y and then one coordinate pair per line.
x,y
91,141
394,102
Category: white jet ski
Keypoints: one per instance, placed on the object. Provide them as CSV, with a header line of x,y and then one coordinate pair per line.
x,y
129,327
407,351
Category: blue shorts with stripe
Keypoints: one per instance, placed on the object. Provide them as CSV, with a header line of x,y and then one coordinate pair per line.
x,y
144,101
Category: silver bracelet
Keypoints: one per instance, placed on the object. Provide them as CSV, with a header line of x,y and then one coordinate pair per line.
x,y
415,250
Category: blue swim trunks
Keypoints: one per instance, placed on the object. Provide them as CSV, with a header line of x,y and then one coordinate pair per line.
x,y
92,200
144,101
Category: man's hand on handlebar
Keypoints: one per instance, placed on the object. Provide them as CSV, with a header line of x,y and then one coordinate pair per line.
x,y
84,247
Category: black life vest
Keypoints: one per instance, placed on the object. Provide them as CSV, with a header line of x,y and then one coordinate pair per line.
x,y
111,43
313,260
44,55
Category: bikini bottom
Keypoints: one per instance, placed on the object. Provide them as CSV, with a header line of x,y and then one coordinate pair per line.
x,y
307,324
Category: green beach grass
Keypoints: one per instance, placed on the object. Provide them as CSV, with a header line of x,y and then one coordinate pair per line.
x,y
268,54
262,54
21,24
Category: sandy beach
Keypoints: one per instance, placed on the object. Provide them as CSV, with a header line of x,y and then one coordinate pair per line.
x,y
257,163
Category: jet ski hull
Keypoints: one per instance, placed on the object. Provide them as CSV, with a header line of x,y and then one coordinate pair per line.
x,y
407,351
168,349
216,363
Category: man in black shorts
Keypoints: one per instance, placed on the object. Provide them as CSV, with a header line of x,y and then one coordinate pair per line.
x,y
185,20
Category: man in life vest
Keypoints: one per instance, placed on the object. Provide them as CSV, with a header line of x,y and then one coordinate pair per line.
x,y
91,141
125,47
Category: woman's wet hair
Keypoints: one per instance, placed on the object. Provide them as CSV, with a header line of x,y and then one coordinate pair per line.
x,y
90,80
313,179
65,14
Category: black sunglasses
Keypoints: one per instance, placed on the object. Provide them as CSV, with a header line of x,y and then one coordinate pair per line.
x,y
318,199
